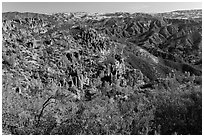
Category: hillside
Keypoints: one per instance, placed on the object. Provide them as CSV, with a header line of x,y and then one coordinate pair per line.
x,y
113,73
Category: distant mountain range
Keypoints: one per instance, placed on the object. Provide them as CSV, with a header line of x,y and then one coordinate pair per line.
x,y
182,14
179,14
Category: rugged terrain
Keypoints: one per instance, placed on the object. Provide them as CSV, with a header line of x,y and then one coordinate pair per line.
x,y
113,73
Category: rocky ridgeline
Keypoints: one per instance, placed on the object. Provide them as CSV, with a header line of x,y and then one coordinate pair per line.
x,y
50,47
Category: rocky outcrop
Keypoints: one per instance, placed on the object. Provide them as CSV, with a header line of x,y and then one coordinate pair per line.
x,y
73,51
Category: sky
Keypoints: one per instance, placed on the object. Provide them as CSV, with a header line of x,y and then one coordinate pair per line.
x,y
98,7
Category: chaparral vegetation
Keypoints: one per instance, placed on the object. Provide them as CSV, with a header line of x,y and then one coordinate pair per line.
x,y
102,74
